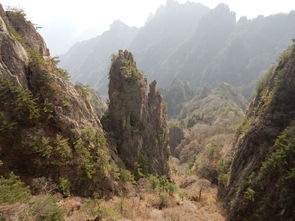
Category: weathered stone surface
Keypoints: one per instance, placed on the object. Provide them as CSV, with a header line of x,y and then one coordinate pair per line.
x,y
47,145
138,120
261,180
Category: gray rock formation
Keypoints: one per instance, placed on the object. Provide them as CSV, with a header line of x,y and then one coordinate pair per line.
x,y
47,127
138,120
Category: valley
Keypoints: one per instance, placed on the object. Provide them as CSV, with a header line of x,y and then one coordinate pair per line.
x,y
173,121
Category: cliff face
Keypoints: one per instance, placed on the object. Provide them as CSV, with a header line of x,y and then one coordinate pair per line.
x,y
262,178
49,131
137,120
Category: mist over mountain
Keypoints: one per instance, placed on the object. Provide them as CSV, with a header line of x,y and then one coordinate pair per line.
x,y
192,43
89,61
237,53
171,25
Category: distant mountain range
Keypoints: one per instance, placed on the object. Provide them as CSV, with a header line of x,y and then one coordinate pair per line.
x,y
188,42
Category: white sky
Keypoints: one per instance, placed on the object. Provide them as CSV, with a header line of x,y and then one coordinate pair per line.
x,y
85,16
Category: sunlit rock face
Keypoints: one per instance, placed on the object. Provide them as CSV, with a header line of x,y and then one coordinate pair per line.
x,y
50,130
137,119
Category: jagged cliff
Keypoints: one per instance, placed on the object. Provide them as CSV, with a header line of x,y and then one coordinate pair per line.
x,y
262,177
137,119
49,130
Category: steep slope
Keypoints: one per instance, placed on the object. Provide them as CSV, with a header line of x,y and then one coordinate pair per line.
x,y
208,39
261,177
209,119
137,120
89,61
234,52
49,131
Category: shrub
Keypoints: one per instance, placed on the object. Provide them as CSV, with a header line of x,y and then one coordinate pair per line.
x,y
36,58
56,151
142,166
6,126
183,195
163,184
131,69
87,159
154,182
20,38
212,149
163,200
16,12
223,170
13,190
277,169
171,188
95,209
126,175
18,101
249,194
93,152
64,186
46,209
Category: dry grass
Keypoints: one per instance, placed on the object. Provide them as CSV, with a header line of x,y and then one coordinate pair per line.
x,y
144,205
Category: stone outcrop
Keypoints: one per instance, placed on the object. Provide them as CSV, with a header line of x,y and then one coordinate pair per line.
x,y
137,119
49,130
261,177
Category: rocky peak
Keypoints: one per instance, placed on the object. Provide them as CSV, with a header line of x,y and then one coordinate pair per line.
x,y
26,31
138,120
118,25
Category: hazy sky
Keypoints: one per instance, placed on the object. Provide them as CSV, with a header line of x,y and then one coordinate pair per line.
x,y
87,18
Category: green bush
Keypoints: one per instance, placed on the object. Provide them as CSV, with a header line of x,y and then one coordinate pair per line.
x,y
281,164
249,194
93,151
64,186
86,157
126,175
56,151
18,12
131,69
94,208
154,182
163,184
277,169
13,190
46,209
18,101
20,38
171,188
36,58
7,127
142,166
223,166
